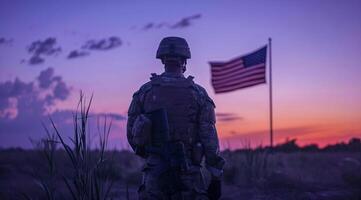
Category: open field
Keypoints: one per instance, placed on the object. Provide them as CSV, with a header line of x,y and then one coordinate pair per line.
x,y
248,175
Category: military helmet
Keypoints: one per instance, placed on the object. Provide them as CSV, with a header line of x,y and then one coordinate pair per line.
x,y
173,46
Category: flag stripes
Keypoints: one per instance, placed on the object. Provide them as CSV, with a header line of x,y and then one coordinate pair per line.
x,y
241,72
240,86
258,75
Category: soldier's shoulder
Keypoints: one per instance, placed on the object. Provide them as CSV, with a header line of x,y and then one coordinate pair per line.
x,y
143,89
202,92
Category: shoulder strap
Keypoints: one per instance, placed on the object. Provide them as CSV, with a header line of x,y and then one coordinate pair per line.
x,y
190,78
155,79
153,75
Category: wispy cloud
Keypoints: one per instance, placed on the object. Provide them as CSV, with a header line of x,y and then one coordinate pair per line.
x,y
228,117
186,21
77,53
152,25
290,132
103,44
4,41
182,23
96,45
35,59
148,26
40,48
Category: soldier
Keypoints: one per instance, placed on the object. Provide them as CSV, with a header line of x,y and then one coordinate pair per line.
x,y
186,116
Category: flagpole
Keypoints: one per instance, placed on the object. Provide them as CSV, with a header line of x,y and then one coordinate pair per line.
x,y
270,92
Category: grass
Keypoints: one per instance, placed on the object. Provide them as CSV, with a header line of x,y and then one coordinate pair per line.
x,y
46,179
247,167
90,176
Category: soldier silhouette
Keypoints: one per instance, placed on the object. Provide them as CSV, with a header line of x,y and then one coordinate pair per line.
x,y
171,124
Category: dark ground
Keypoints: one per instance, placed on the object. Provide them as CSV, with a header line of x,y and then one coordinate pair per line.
x,y
248,175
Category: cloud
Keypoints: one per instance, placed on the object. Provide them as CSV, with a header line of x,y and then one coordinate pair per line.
x,y
152,25
103,44
9,91
4,41
282,133
61,90
34,60
186,21
182,23
227,117
148,26
46,47
44,91
24,105
112,115
77,53
161,25
46,78
32,98
40,48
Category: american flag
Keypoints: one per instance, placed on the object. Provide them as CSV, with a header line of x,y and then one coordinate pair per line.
x,y
244,71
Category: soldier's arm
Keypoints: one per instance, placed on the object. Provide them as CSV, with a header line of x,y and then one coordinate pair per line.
x,y
133,111
209,138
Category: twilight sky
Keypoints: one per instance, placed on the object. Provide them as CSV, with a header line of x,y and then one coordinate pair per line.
x,y
50,51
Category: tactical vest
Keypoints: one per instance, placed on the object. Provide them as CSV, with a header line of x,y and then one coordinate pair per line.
x,y
178,96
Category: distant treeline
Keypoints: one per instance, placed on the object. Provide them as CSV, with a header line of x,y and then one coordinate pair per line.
x,y
290,145
353,145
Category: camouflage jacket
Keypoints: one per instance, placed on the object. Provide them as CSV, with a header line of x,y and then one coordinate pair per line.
x,y
204,116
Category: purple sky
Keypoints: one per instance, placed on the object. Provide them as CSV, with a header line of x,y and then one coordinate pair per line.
x,y
316,61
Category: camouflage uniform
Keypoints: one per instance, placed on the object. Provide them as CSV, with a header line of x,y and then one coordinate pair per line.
x,y
191,119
